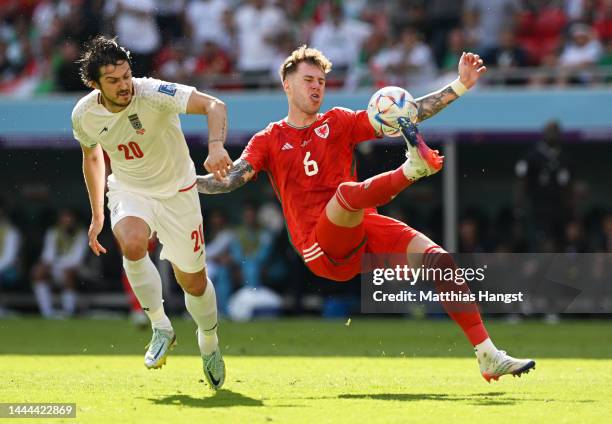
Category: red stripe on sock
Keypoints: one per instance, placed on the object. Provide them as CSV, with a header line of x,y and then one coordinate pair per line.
x,y
343,203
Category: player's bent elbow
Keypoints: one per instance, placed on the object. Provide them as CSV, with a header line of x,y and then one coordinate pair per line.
x,y
216,106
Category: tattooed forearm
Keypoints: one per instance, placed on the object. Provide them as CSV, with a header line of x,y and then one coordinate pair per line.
x,y
221,138
217,122
434,102
239,175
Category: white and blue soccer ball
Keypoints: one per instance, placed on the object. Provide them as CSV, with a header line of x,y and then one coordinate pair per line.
x,y
388,104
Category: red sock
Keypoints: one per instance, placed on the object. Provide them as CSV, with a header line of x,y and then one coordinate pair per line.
x,y
464,314
376,191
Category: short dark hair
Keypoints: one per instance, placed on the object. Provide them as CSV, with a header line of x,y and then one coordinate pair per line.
x,y
99,52
304,54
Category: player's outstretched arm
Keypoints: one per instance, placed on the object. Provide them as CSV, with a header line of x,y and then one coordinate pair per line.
x,y
237,176
94,174
470,69
218,161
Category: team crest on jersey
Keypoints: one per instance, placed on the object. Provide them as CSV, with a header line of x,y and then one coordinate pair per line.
x,y
135,121
169,89
322,131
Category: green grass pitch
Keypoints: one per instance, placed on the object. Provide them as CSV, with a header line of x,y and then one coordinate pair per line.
x,y
312,371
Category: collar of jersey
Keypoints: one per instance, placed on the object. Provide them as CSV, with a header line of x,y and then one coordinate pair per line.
x,y
305,126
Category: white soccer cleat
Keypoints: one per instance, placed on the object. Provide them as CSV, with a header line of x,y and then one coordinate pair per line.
x,y
158,348
421,161
214,369
494,365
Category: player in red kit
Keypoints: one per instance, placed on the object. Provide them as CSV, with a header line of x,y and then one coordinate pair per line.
x,y
330,216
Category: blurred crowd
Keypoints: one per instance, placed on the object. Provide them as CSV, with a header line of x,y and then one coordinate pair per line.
x,y
233,44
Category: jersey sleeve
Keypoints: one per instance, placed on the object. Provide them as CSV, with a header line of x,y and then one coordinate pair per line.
x,y
166,96
257,151
357,124
79,134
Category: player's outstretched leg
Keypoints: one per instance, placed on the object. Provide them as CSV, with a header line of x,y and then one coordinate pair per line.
x,y
213,366
421,162
146,284
133,234
201,303
493,362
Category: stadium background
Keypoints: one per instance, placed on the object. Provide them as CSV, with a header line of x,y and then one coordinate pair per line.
x,y
505,186
508,185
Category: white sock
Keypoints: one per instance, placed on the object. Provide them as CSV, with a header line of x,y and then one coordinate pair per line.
x,y
42,292
203,310
207,342
146,283
486,346
159,319
69,300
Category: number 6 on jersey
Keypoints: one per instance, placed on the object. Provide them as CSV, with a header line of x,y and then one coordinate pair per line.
x,y
310,166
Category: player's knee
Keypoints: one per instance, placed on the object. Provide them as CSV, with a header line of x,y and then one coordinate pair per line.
x,y
195,287
134,248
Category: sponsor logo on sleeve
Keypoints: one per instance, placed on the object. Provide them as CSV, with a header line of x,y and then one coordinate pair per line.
x,y
169,89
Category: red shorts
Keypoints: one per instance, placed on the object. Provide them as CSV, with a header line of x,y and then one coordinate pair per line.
x,y
336,253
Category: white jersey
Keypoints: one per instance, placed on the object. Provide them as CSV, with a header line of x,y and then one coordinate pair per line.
x,y
144,142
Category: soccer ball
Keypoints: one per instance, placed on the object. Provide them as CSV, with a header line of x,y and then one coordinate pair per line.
x,y
388,104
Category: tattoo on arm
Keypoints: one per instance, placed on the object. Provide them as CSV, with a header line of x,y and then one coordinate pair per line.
x,y
239,175
221,138
434,102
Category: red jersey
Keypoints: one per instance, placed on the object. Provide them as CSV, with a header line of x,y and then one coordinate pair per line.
x,y
306,165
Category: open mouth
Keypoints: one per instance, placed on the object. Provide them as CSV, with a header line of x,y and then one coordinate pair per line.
x,y
315,97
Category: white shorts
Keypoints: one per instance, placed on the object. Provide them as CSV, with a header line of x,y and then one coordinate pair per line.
x,y
177,221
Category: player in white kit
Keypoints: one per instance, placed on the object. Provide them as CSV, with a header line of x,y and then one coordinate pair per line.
x,y
152,187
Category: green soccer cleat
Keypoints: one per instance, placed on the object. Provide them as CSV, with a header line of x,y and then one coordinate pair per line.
x,y
214,369
158,348
421,161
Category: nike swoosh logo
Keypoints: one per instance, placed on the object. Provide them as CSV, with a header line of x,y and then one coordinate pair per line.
x,y
103,130
159,351
213,381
